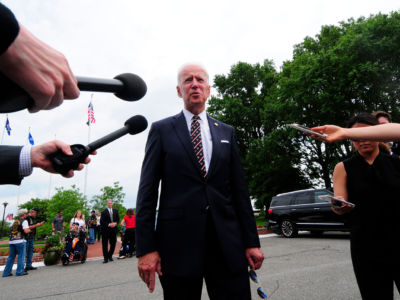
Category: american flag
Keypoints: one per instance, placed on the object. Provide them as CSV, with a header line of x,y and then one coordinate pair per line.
x,y
10,217
91,118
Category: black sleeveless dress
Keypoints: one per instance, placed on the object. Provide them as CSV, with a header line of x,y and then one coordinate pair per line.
x,y
375,223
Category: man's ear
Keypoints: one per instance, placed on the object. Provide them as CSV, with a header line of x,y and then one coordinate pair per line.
x,y
178,90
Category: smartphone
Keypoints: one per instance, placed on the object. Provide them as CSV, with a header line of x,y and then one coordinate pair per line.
x,y
308,130
336,201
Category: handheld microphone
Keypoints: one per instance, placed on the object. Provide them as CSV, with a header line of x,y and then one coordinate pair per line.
x,y
62,163
127,86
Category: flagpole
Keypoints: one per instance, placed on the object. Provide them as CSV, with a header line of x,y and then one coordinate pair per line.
x,y
87,167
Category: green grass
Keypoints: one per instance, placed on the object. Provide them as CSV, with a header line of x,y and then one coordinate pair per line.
x,y
260,220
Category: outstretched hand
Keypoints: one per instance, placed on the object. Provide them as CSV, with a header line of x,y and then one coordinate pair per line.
x,y
335,133
40,156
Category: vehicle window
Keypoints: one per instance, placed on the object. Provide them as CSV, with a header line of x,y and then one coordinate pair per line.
x,y
320,193
304,198
280,201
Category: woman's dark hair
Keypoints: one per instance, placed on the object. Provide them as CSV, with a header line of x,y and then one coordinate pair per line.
x,y
362,118
129,212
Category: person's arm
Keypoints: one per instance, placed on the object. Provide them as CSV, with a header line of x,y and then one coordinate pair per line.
x,y
123,222
25,227
52,225
149,260
340,188
40,70
383,132
241,200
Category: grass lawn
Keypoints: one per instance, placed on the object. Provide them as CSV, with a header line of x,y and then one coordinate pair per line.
x,y
260,220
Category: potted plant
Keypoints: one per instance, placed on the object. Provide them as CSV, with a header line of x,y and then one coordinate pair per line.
x,y
52,251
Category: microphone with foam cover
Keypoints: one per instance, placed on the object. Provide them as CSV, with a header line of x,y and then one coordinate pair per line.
x,y
62,163
127,86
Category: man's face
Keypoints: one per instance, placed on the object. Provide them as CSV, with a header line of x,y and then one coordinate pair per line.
x,y
74,227
109,204
33,213
60,214
193,87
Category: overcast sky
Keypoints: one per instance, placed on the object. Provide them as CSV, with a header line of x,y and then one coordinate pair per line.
x,y
151,39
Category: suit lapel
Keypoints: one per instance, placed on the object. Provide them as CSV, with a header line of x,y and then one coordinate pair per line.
x,y
180,126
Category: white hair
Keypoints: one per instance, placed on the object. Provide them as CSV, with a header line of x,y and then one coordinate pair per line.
x,y
191,64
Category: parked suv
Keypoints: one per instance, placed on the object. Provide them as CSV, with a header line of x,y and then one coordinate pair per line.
x,y
304,210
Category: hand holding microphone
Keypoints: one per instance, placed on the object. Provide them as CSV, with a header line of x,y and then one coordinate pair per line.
x,y
63,163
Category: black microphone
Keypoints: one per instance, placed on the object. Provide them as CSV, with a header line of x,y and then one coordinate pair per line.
x,y
127,86
62,163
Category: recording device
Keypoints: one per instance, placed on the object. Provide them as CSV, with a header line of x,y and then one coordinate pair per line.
x,y
337,202
127,86
308,130
62,163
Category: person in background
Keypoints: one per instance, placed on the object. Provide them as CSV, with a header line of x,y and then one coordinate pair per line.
x,y
30,237
19,230
129,237
92,226
98,226
109,227
74,240
371,179
78,218
58,223
384,117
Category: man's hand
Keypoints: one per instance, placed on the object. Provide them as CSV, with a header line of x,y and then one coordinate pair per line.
x,y
147,266
255,258
112,225
40,70
40,156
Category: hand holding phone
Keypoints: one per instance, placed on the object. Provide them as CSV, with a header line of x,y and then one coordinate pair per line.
x,y
337,202
308,130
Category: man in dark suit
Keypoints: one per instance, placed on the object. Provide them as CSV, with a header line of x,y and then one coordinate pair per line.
x,y
16,162
109,221
205,224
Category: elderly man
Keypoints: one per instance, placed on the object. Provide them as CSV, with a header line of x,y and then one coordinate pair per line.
x,y
205,225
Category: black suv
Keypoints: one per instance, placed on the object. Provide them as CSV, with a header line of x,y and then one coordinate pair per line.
x,y
304,210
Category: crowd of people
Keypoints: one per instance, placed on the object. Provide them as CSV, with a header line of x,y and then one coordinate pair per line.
x,y
80,234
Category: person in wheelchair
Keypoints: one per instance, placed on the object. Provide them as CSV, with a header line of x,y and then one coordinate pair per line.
x,y
75,242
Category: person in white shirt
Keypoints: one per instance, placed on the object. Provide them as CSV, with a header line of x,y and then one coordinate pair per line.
x,y
78,218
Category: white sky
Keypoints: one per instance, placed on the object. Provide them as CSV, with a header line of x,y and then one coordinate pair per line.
x,y
152,39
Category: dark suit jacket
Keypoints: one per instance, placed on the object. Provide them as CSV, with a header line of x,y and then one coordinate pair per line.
x,y
9,165
181,223
105,220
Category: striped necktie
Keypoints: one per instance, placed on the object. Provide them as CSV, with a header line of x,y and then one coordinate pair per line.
x,y
195,135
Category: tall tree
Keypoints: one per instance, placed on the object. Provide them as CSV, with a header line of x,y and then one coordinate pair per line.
x,y
344,70
245,101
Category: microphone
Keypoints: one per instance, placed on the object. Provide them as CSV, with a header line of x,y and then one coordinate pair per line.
x,y
62,163
126,86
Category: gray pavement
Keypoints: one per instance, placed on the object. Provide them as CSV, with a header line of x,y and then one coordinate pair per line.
x,y
301,268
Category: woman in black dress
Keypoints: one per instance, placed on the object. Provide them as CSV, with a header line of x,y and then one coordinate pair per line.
x,y
371,180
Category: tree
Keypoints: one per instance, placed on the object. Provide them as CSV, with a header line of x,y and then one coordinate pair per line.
x,y
245,100
344,70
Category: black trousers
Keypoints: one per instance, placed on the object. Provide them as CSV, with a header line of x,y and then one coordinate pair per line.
x,y
129,239
97,233
221,284
376,266
109,235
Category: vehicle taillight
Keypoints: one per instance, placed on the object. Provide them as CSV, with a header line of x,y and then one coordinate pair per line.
x,y
270,211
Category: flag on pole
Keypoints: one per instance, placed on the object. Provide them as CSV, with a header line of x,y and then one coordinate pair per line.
x,y
91,118
8,127
30,138
10,217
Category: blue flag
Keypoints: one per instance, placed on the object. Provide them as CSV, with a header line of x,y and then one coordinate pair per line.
x,y
8,128
30,138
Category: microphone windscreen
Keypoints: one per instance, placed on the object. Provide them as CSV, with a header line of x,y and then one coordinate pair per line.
x,y
136,124
134,87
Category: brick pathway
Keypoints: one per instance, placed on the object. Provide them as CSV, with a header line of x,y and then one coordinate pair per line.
x,y
95,250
